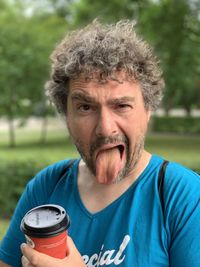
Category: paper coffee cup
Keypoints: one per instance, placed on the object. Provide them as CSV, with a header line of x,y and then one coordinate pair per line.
x,y
45,228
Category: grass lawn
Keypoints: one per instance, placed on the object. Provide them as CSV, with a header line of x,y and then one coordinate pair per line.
x,y
183,149
3,227
58,146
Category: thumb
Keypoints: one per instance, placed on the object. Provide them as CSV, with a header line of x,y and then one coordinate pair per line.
x,y
73,251
71,246
36,258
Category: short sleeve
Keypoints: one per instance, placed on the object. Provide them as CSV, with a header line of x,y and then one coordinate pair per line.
x,y
182,213
185,244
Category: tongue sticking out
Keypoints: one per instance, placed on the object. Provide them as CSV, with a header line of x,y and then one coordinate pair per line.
x,y
108,165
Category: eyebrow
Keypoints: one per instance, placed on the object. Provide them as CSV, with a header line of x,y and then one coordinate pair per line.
x,y
89,99
122,99
82,97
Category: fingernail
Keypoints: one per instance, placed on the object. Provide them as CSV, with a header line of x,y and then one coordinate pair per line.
x,y
23,246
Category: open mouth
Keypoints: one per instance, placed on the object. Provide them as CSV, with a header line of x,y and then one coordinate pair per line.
x,y
121,150
120,147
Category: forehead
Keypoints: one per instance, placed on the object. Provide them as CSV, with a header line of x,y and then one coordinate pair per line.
x,y
94,86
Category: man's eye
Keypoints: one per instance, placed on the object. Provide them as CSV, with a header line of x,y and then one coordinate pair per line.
x,y
124,106
84,107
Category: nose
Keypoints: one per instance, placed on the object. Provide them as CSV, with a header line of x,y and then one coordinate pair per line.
x,y
106,124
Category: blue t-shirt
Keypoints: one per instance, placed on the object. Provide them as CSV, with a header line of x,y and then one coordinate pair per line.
x,y
132,231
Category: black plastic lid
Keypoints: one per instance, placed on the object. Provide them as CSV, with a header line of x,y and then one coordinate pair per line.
x,y
45,221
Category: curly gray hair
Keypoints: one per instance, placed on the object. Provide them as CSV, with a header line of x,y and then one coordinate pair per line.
x,y
104,49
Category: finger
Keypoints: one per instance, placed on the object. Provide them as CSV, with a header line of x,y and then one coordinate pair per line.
x,y
24,261
36,258
74,258
72,248
71,245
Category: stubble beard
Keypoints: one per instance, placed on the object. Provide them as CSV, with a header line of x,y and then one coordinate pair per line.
x,y
132,155
132,160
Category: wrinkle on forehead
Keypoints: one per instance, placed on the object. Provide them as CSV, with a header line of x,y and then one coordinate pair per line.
x,y
92,91
117,76
84,96
83,83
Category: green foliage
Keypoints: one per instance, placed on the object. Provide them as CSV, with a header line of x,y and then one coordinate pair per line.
x,y
174,29
4,225
14,176
25,45
20,164
179,125
24,67
87,10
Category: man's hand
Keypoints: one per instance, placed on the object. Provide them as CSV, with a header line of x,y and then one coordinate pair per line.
x,y
33,258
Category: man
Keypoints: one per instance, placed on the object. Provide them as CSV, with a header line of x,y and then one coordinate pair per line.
x,y
106,82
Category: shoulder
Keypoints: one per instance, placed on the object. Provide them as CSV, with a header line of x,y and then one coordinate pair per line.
x,y
48,177
180,176
54,169
182,209
181,185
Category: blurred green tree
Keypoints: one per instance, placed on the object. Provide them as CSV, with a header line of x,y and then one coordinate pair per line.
x,y
174,29
25,45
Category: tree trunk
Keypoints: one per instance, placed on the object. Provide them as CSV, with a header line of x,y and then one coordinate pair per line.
x,y
11,132
188,110
44,126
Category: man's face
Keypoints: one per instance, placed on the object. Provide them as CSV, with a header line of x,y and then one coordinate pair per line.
x,y
107,122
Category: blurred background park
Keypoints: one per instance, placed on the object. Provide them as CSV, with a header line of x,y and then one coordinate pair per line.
x,y
33,136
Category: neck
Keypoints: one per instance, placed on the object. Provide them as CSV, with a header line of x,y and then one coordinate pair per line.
x,y
97,196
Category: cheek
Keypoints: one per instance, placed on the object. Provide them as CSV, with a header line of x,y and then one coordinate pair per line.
x,y
143,120
136,131
72,128
78,130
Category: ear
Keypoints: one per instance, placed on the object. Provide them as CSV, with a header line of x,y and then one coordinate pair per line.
x,y
148,115
67,122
